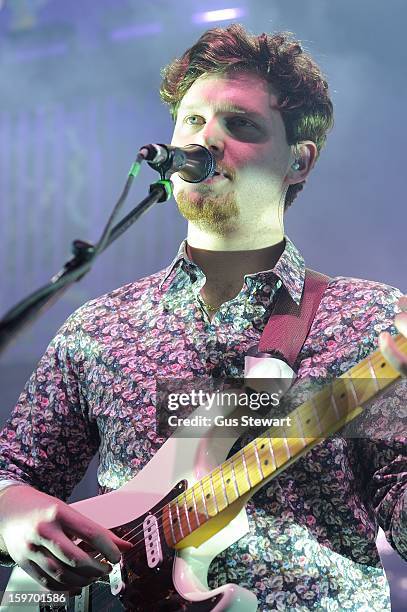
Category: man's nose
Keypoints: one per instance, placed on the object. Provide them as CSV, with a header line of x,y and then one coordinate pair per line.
x,y
213,138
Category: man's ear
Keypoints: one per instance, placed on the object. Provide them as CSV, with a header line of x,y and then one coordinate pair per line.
x,y
303,157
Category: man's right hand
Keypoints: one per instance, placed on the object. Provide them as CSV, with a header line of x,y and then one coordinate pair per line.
x,y
38,531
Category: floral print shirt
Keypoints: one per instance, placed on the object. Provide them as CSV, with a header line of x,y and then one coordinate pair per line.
x,y
311,542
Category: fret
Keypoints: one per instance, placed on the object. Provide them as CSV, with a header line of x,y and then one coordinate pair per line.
x,y
208,496
178,521
301,433
185,506
353,391
300,428
383,370
219,491
225,495
332,414
213,493
171,525
195,508
326,410
203,499
329,409
307,428
267,467
193,517
286,445
334,405
232,492
234,477
304,416
295,435
373,373
384,373
341,394
241,477
245,468
367,386
316,415
258,461
192,520
281,451
273,459
252,464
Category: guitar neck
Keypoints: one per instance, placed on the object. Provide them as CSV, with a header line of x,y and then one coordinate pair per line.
x,y
239,477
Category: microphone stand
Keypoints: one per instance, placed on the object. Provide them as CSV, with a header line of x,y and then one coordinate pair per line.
x,y
84,254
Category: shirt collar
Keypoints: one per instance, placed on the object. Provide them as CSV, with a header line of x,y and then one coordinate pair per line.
x,y
290,269
180,260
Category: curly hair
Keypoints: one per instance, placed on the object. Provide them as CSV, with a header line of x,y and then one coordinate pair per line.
x,y
302,91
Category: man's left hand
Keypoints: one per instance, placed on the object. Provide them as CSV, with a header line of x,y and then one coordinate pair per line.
x,y
396,358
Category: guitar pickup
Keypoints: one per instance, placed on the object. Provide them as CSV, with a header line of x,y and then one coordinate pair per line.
x,y
152,541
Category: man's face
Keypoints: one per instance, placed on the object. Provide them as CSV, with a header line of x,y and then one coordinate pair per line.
x,y
236,118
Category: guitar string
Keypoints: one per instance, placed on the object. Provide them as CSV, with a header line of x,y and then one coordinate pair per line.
x,y
206,479
240,453
99,592
375,357
102,589
308,407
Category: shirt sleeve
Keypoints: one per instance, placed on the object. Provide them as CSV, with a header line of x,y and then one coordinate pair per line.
x,y
382,450
49,441
390,501
381,444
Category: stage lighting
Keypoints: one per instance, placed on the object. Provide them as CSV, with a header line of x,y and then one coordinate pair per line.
x,y
219,15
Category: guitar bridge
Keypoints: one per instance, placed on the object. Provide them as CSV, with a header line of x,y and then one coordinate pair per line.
x,y
152,541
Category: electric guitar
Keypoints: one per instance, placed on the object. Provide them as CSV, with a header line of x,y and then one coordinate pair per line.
x,y
188,504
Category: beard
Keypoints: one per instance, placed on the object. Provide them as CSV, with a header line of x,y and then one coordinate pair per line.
x,y
209,212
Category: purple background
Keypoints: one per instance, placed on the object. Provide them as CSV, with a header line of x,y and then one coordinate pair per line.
x,y
79,84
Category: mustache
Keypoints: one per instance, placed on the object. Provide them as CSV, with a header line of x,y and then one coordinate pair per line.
x,y
228,171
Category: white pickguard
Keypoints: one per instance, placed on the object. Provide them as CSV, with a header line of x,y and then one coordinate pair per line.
x,y
179,458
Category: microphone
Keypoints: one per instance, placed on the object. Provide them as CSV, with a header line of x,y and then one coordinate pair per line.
x,y
194,163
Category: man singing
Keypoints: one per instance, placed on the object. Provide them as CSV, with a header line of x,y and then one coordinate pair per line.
x,y
261,105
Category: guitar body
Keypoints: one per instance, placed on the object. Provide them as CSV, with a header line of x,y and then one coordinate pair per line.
x,y
179,581
188,504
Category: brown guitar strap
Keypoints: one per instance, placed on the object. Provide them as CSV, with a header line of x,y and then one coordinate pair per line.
x,y
290,323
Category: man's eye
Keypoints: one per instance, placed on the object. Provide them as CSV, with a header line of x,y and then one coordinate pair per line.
x,y
193,120
240,122
236,121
